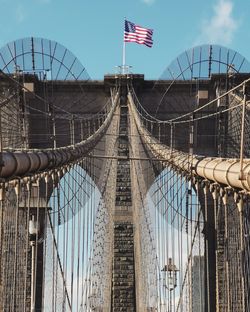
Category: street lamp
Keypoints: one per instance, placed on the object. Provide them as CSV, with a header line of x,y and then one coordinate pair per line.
x,y
170,271
33,235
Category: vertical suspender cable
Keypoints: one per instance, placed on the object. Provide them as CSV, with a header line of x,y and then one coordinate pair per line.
x,y
27,240
53,247
207,258
227,264
79,182
13,302
74,208
47,179
64,226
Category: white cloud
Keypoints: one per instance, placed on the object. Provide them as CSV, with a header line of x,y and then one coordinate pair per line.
x,y
19,14
221,27
148,1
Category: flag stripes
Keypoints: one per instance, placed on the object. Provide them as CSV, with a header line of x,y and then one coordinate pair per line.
x,y
138,34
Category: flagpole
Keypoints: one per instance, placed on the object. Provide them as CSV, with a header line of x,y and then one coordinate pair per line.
x,y
123,57
124,52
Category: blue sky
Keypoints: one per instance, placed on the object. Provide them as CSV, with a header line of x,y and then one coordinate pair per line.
x,y
93,29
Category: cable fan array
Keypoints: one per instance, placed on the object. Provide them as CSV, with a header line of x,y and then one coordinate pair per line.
x,y
56,223
180,218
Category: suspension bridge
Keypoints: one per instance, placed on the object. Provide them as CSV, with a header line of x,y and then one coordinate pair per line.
x,y
124,194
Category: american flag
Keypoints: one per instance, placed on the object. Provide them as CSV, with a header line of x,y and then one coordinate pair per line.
x,y
138,34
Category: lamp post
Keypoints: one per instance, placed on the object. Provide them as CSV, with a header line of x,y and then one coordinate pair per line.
x,y
33,232
170,271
